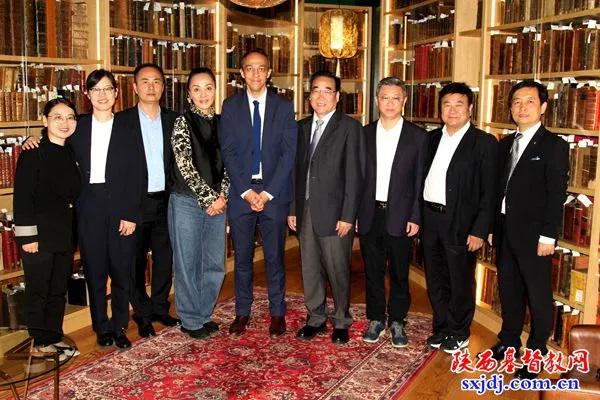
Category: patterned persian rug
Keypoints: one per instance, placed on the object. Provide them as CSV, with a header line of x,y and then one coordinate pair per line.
x,y
254,367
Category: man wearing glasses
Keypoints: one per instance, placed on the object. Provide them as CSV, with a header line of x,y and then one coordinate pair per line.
x,y
390,212
328,181
257,134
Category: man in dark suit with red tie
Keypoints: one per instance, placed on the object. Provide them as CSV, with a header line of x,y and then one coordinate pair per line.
x,y
533,175
390,212
258,140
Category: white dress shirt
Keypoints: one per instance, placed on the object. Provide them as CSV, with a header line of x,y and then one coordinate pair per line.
x,y
523,143
262,106
313,127
387,143
101,132
435,183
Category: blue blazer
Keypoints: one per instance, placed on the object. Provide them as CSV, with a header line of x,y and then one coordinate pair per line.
x,y
277,153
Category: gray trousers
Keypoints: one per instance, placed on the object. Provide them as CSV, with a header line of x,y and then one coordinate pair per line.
x,y
323,258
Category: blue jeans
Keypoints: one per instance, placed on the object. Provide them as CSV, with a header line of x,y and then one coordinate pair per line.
x,y
198,242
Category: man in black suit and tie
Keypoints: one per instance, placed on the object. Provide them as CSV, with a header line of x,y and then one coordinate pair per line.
x,y
390,212
257,133
533,174
153,125
460,198
328,181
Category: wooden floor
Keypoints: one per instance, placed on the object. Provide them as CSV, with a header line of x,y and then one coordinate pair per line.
x,y
435,382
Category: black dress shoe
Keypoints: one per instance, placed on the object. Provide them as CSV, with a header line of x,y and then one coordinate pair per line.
x,y
340,336
308,332
498,351
105,339
212,328
145,329
238,326
121,340
277,327
166,320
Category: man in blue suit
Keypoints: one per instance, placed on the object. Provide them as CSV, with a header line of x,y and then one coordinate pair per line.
x,y
258,140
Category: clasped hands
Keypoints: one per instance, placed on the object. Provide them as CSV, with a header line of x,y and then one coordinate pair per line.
x,y
257,201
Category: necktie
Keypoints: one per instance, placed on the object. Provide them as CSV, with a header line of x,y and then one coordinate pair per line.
x,y
315,139
514,157
256,138
313,145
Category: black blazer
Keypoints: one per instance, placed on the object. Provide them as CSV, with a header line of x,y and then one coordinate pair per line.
x,y
124,173
129,119
336,171
536,191
406,180
470,184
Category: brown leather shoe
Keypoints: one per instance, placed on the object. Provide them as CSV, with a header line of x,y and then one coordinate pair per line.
x,y
277,327
238,326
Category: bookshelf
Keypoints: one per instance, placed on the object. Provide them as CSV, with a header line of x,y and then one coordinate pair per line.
x,y
277,31
355,71
493,46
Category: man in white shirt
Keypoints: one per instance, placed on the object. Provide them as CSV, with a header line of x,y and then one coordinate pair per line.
x,y
257,133
390,212
533,170
460,198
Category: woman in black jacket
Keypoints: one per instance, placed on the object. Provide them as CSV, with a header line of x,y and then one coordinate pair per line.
x,y
47,183
197,208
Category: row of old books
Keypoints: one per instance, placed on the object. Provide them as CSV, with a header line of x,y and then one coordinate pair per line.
x,y
569,272
564,317
524,10
277,47
25,91
490,294
577,219
10,149
131,51
350,103
557,49
487,253
44,28
433,60
11,257
583,156
350,68
570,105
423,101
429,21
165,18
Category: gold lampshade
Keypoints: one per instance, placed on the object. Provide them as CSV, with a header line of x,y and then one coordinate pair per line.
x,y
257,3
338,33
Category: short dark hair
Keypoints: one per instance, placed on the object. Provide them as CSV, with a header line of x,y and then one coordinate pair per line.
x,y
96,76
255,51
456,88
326,74
140,67
200,70
529,83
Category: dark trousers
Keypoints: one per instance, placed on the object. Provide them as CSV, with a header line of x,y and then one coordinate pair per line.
x,y
272,225
325,258
46,276
105,253
450,276
524,278
377,247
153,235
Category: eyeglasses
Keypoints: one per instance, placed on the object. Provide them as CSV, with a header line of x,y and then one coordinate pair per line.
x,y
322,91
62,118
261,69
390,99
107,90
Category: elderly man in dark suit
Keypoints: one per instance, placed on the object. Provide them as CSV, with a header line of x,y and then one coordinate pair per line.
x,y
328,181
533,175
390,212
258,140
460,197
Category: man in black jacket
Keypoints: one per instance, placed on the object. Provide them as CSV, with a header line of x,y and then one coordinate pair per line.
x,y
153,126
533,175
459,196
390,212
328,181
